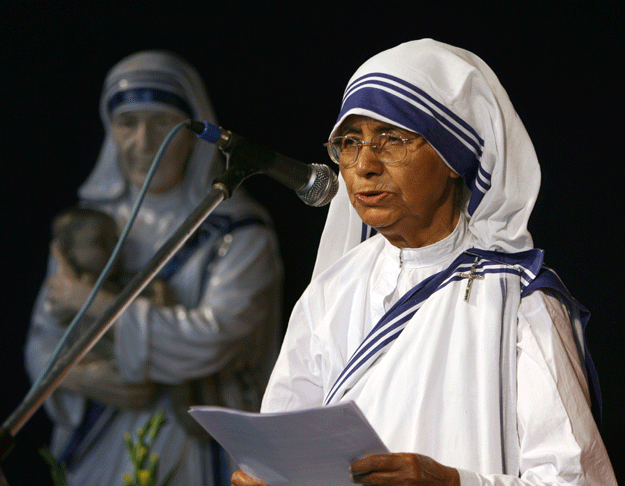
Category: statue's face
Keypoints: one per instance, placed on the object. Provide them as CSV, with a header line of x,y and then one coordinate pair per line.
x,y
139,135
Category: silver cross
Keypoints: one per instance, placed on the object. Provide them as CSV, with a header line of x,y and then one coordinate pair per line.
x,y
471,276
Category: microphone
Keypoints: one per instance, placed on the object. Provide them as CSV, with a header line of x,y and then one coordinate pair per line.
x,y
315,184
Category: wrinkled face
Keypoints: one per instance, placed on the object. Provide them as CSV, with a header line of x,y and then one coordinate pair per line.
x,y
410,202
139,135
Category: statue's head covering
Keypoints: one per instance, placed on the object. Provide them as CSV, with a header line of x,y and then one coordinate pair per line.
x,y
152,80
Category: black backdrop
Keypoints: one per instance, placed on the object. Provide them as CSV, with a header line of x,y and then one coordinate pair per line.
x,y
277,74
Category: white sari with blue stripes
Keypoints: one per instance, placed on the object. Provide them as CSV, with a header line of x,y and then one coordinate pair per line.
x,y
499,385
436,374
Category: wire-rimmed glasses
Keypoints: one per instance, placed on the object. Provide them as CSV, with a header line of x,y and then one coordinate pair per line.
x,y
387,147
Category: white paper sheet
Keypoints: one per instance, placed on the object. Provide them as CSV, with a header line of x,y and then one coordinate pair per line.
x,y
307,447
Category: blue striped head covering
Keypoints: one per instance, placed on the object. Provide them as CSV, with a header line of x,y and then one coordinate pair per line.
x,y
153,80
147,91
453,99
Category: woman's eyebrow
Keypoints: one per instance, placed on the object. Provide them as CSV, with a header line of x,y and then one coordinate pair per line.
x,y
380,127
387,127
349,129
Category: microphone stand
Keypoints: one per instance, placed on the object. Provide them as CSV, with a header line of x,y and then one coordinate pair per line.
x,y
238,168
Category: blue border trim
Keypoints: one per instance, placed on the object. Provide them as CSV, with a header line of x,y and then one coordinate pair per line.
x,y
148,95
213,225
92,414
534,275
367,232
406,104
547,278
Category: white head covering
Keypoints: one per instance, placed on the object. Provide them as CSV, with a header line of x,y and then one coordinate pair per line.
x,y
452,98
148,80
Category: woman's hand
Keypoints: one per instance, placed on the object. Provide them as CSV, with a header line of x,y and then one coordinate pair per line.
x,y
239,478
402,469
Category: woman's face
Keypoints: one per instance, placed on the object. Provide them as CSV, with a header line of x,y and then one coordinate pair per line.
x,y
411,202
139,135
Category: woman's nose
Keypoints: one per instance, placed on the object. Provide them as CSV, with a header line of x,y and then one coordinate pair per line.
x,y
367,162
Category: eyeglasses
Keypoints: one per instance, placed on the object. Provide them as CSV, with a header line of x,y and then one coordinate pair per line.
x,y
387,147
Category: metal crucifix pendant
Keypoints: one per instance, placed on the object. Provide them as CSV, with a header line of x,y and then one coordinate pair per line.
x,y
471,276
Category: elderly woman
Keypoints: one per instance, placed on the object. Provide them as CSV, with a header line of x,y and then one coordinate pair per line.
x,y
429,307
214,343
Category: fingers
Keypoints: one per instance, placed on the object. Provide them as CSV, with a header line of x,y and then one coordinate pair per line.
x,y
56,295
375,469
402,468
239,478
381,469
57,253
376,478
376,462
62,265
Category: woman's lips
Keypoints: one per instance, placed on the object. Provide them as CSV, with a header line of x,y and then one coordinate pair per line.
x,y
371,198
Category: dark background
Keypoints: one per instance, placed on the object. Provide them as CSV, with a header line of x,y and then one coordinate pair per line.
x,y
276,74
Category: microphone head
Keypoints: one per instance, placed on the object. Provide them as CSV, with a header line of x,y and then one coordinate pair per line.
x,y
323,186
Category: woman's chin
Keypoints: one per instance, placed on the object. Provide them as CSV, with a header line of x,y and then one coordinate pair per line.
x,y
376,218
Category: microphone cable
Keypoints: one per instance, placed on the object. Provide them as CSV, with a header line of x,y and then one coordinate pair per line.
x,y
124,235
